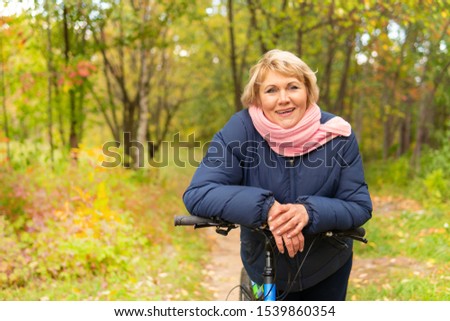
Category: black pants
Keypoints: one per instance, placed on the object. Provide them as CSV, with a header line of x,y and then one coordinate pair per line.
x,y
333,288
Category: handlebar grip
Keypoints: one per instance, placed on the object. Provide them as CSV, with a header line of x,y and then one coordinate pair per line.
x,y
182,220
362,231
356,234
359,231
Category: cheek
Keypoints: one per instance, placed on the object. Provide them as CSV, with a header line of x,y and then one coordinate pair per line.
x,y
267,103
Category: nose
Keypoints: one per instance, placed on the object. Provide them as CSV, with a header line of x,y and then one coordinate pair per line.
x,y
284,97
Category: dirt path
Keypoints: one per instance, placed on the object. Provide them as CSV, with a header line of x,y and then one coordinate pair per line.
x,y
225,267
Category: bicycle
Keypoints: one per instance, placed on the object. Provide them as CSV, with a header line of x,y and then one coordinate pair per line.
x,y
249,291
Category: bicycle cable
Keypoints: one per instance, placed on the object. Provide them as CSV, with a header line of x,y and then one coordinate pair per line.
x,y
285,293
243,289
251,297
275,258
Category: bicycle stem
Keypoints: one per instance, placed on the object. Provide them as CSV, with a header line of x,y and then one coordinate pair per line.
x,y
270,292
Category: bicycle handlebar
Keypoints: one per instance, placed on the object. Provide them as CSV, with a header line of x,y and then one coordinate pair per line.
x,y
199,222
222,227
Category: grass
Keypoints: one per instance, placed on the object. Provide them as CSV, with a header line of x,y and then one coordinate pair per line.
x,y
408,256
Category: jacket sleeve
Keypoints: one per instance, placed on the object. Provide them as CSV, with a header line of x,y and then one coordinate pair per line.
x,y
351,205
216,190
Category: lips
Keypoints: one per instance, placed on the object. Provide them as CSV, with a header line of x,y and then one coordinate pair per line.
x,y
285,111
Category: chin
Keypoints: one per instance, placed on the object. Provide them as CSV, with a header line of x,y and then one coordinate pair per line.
x,y
286,124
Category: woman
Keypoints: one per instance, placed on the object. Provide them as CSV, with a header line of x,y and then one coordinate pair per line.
x,y
284,163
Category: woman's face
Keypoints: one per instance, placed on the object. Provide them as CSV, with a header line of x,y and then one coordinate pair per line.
x,y
282,99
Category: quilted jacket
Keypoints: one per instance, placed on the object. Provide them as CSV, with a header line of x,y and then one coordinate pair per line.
x,y
240,177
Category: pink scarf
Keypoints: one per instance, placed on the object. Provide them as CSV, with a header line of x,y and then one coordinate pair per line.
x,y
308,135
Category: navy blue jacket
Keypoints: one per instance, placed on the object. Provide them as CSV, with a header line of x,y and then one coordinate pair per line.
x,y
240,177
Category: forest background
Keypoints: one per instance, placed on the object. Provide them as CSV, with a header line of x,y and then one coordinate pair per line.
x,y
107,107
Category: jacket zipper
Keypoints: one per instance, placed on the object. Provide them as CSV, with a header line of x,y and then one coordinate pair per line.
x,y
291,161
293,190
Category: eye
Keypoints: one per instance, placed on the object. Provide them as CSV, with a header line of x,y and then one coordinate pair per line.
x,y
270,90
294,87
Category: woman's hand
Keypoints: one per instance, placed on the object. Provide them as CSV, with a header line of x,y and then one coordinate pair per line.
x,y
286,222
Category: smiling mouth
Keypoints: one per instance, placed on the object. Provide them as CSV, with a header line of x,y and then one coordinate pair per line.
x,y
285,111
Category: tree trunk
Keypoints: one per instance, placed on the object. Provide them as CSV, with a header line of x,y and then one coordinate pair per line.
x,y
300,31
339,105
422,123
51,74
254,23
3,93
428,91
299,42
142,126
129,130
326,78
387,132
60,113
426,112
405,128
233,58
73,135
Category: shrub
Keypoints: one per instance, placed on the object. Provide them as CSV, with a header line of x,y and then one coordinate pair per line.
x,y
436,189
14,265
78,237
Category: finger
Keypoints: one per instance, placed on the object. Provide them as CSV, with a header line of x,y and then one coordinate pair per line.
x,y
285,226
298,228
277,224
288,222
301,240
297,222
296,244
289,246
298,240
280,223
279,243
276,211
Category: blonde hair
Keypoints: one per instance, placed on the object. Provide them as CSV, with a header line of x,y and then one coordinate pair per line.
x,y
285,63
